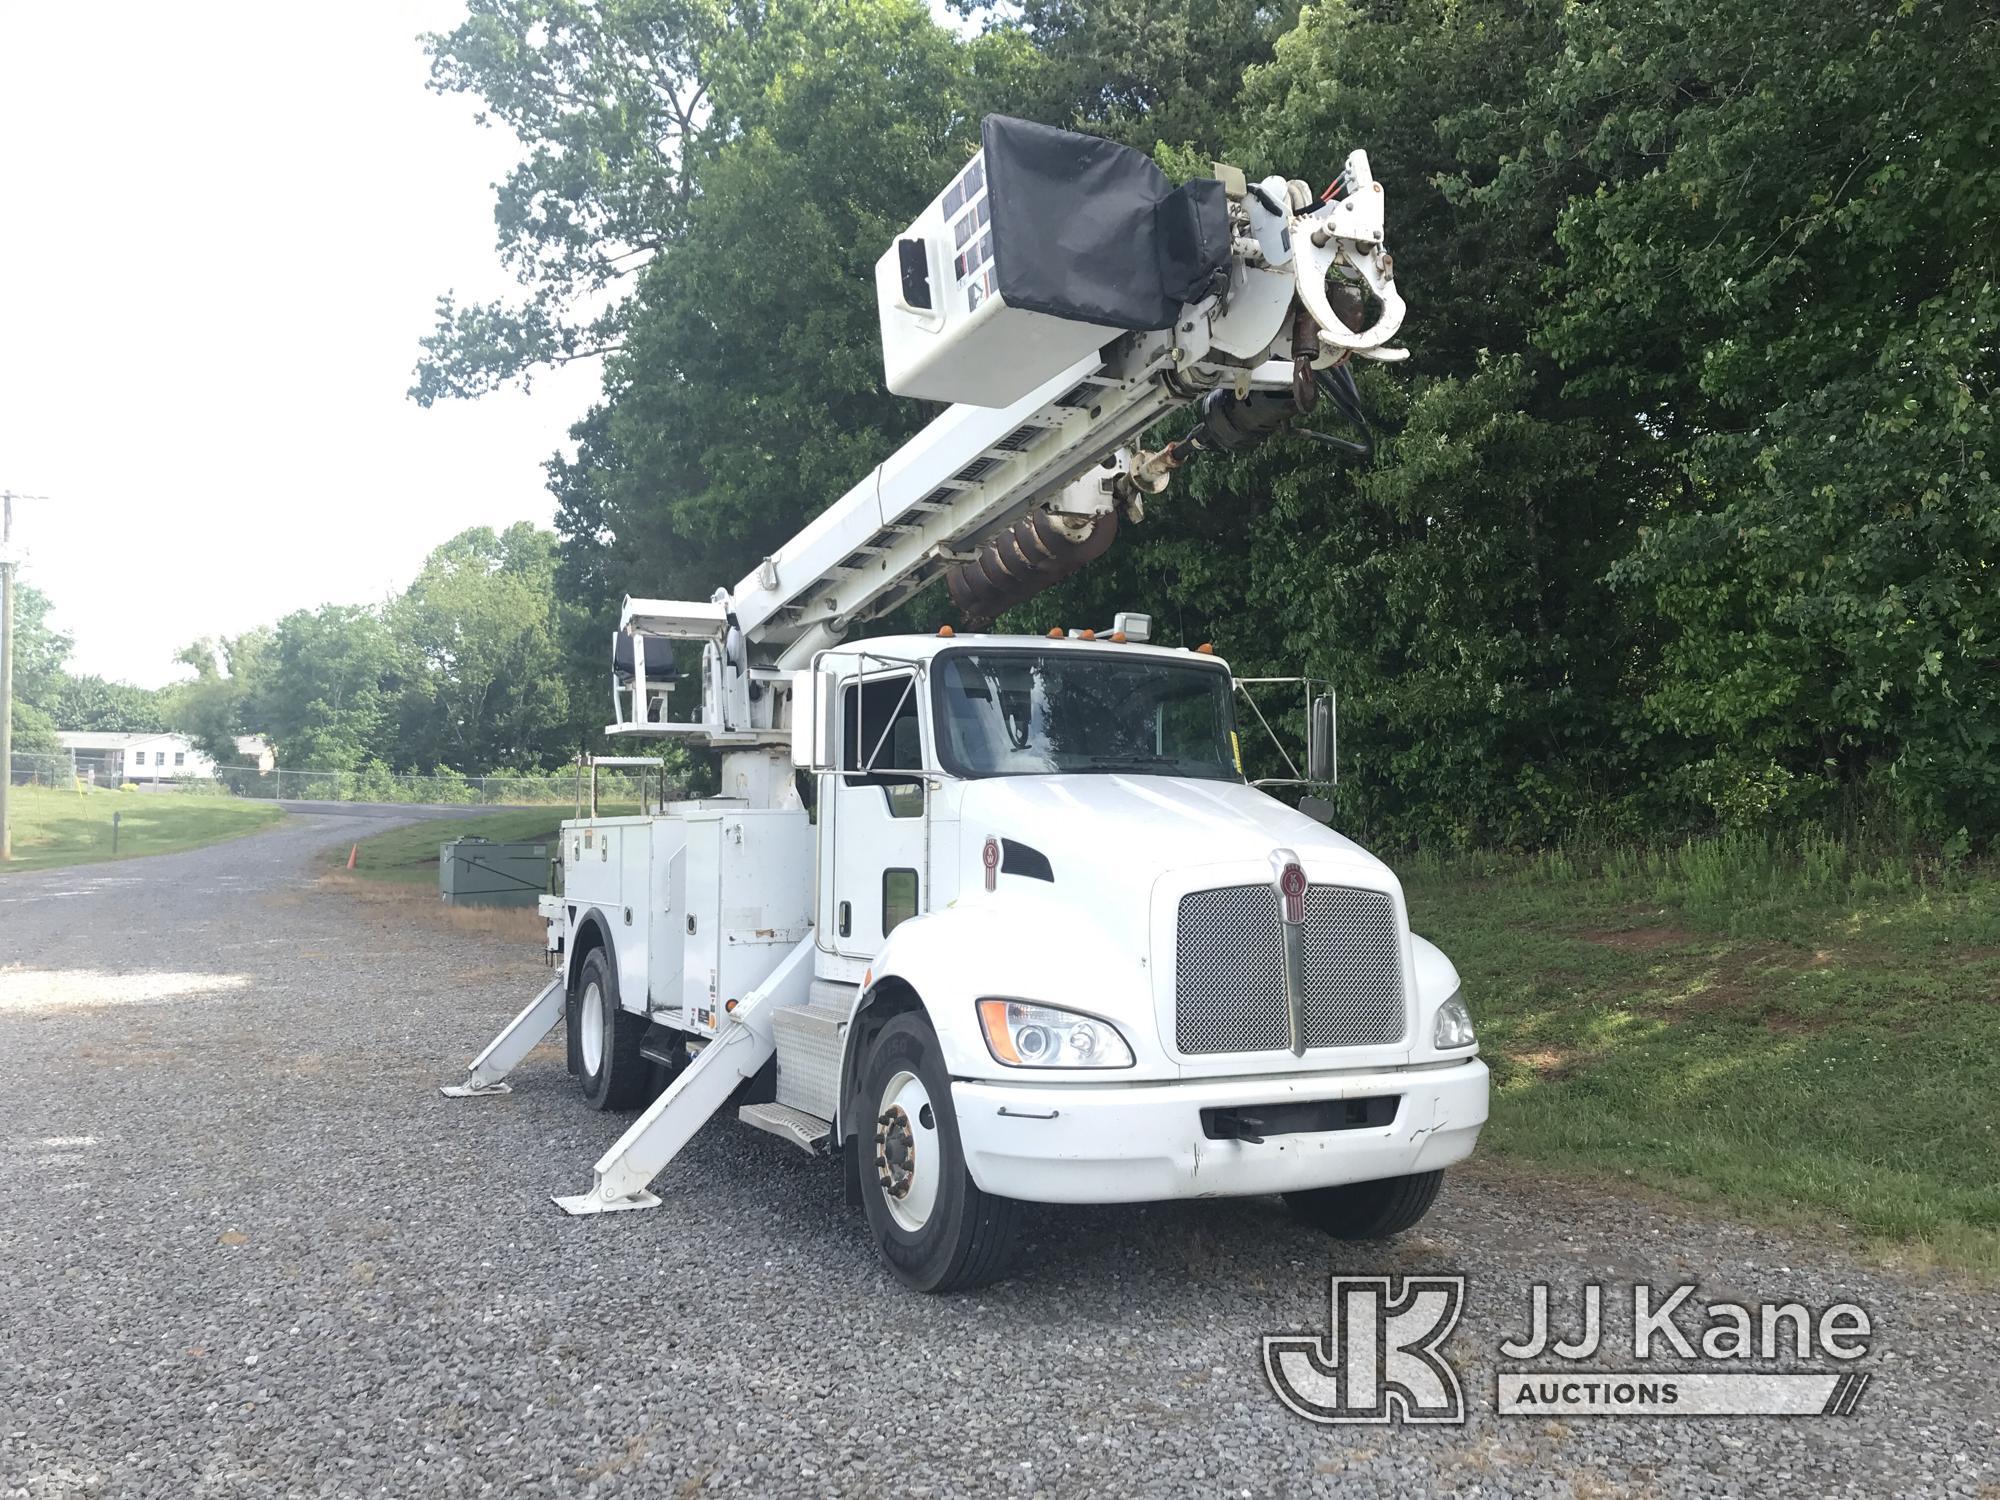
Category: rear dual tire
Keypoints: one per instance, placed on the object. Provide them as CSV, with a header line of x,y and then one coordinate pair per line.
x,y
609,1064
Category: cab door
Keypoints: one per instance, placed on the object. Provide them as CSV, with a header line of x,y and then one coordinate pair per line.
x,y
879,806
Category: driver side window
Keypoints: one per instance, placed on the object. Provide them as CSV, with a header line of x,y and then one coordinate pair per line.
x,y
881,742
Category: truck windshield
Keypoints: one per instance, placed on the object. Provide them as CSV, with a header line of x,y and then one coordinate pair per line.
x,y
1026,713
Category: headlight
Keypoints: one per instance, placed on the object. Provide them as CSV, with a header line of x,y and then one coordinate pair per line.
x,y
1039,1036
1454,1025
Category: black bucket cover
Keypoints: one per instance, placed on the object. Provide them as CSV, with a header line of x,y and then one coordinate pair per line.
x,y
1092,231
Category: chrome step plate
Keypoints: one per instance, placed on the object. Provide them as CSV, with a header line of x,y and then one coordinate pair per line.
x,y
808,1132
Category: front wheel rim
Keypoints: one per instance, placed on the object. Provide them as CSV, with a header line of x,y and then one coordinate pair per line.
x,y
907,1155
590,1028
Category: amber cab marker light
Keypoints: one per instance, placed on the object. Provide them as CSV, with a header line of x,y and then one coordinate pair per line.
x,y
1090,635
1206,648
993,1021
1055,632
1118,636
946,631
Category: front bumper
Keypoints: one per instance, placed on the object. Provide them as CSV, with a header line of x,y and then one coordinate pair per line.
x,y
1143,1142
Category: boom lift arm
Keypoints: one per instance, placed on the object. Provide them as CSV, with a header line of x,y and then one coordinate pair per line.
x,y
1004,500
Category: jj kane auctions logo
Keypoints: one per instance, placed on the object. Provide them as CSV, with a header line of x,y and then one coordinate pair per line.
x,y
1382,1359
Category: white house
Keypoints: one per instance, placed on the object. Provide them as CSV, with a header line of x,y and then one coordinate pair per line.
x,y
109,759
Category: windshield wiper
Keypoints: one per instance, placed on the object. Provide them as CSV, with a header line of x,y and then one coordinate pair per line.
x,y
1113,761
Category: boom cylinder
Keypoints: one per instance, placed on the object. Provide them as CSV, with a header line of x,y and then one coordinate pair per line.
x,y
1037,552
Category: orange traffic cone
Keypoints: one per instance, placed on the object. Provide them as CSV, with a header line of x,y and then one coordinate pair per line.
x,y
356,849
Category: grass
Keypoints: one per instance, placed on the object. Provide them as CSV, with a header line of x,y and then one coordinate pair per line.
x,y
408,855
54,827
1800,1032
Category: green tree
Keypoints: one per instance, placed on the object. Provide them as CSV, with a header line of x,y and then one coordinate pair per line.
x,y
1452,588
324,687
39,653
39,649
611,99
93,703
481,631
1787,272
748,390
213,709
1144,71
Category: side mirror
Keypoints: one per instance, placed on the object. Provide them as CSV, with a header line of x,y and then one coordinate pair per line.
x,y
1322,742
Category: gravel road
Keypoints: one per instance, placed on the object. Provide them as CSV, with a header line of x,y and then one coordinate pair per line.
x,y
248,1250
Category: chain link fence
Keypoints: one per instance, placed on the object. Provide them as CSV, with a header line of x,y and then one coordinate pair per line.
x,y
616,788
42,770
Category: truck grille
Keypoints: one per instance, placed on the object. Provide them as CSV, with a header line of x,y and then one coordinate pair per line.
x,y
1230,989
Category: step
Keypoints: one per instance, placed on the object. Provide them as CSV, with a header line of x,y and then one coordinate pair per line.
x,y
810,1039
663,1044
808,1132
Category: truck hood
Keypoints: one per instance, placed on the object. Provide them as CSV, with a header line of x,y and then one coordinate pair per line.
x,y
1096,934
1107,833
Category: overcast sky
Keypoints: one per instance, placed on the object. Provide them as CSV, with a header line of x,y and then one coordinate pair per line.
x,y
222,229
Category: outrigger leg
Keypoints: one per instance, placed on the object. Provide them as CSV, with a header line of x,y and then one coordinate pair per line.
x,y
504,1053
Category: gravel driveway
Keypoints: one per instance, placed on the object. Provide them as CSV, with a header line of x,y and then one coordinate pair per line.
x,y
248,1250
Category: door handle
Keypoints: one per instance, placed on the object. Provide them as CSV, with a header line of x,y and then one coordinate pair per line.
x,y
846,918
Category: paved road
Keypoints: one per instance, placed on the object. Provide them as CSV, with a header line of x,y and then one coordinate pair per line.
x,y
246,1249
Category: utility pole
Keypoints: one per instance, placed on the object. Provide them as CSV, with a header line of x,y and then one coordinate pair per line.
x,y
7,499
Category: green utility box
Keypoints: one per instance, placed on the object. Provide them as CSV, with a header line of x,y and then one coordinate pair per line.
x,y
478,872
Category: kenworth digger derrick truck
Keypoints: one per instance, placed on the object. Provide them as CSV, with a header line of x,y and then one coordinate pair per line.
x,y
988,918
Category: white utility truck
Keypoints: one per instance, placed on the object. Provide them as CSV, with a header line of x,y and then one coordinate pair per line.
x,y
990,918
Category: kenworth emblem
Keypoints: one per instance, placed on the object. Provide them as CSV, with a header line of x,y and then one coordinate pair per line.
x,y
1288,879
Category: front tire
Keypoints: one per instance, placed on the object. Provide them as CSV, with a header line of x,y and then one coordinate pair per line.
x,y
613,1073
1367,1210
931,1223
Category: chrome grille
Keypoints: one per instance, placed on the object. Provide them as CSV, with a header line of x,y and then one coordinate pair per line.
x,y
1230,994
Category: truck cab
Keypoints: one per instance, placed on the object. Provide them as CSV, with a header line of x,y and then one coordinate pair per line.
x,y
1046,851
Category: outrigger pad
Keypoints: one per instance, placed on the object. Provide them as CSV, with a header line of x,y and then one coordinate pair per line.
x,y
579,1204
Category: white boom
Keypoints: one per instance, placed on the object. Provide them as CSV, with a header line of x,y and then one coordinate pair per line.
x,y
1253,345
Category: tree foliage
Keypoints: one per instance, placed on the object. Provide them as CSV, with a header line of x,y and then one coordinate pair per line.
x,y
96,703
466,671
210,710
1144,71
1790,274
1682,510
610,97
39,653
479,637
